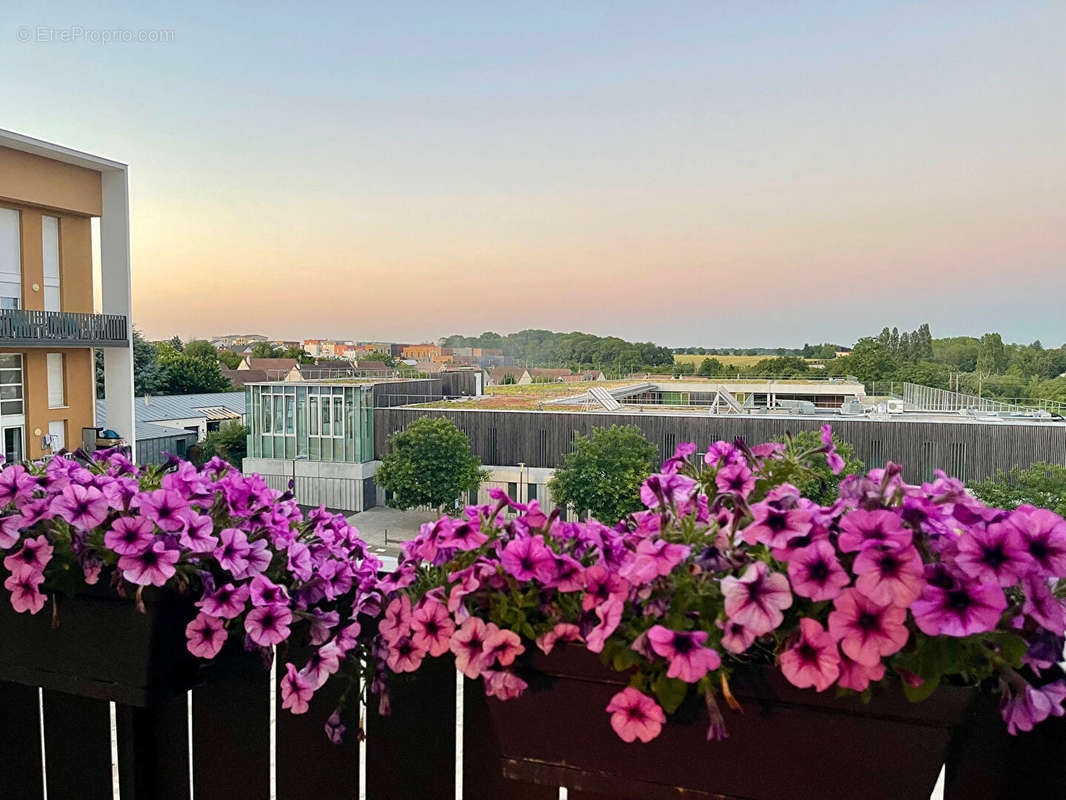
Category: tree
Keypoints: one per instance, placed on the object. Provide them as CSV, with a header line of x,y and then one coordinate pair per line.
x,y
228,358
229,442
1042,485
265,350
991,355
429,464
298,354
200,348
149,377
710,367
603,474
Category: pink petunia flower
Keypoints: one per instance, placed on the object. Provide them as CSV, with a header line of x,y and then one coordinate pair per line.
x,y
527,558
856,676
735,637
264,592
961,610
1035,704
397,620
197,534
25,594
562,632
813,660
653,558
268,625
601,585
432,627
206,635
502,645
609,614
167,509
153,566
468,645
84,507
233,550
860,529
832,457
130,536
815,572
735,479
323,662
774,526
996,554
866,630
634,715
688,659
1042,605
227,601
1044,536
756,599
503,685
296,691
890,574
33,556
666,490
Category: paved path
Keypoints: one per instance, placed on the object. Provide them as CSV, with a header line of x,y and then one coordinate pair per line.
x,y
385,529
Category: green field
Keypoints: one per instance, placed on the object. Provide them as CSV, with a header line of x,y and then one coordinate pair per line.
x,y
728,361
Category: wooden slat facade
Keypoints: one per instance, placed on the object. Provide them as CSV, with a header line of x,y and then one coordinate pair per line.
x,y
967,450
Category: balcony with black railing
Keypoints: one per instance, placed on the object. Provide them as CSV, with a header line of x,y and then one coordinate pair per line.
x,y
23,328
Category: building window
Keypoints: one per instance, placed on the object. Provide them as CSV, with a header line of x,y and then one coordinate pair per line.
x,y
492,446
512,490
669,445
542,448
958,460
266,414
57,397
57,435
312,410
11,403
472,497
13,444
50,251
10,259
877,453
531,492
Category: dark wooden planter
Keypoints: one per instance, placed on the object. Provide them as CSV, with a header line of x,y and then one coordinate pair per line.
x,y
788,744
103,648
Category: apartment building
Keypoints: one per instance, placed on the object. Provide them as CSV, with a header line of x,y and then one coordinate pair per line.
x,y
49,197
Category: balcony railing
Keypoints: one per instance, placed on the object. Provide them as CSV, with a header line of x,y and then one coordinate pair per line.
x,y
23,328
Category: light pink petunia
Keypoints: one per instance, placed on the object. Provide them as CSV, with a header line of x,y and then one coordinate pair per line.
x,y
153,566
296,691
815,572
609,614
688,658
432,627
813,660
206,635
757,598
890,574
503,685
562,632
197,534
84,507
268,625
396,622
867,630
774,526
502,645
634,715
33,556
468,645
735,637
130,536
860,529
25,594
233,550
227,601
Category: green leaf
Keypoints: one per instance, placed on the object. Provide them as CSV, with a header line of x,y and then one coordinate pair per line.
x,y
670,692
917,694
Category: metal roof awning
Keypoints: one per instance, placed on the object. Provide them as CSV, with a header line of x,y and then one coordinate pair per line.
x,y
219,413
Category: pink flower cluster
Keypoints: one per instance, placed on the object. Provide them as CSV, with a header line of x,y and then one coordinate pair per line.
x,y
256,566
728,565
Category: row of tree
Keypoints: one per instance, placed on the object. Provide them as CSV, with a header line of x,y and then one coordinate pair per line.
x,y
542,348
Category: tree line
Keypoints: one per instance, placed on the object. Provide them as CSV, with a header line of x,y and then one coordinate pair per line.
x,y
576,350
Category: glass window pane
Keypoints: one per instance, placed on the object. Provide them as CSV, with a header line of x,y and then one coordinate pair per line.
x,y
279,414
325,416
10,407
10,361
10,392
290,415
266,413
13,445
312,406
338,416
10,376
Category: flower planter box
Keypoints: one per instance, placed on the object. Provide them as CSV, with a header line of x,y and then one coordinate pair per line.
x,y
788,744
103,648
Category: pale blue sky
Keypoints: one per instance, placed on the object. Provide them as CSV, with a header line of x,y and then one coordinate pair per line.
x,y
714,173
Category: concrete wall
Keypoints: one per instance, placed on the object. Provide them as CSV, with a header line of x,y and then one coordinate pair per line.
x,y
339,486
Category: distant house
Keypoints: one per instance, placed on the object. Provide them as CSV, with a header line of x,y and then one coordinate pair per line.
x,y
581,377
239,377
541,375
498,376
173,423
372,367
276,368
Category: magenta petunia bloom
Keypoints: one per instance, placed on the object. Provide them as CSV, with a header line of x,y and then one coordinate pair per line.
x,y
323,662
609,614
335,728
815,572
502,645
1042,605
735,479
25,596
299,561
296,691
890,574
462,536
813,660
16,485
268,625
153,566
757,598
227,601
666,490
735,637
233,550
1044,535
654,558
856,676
130,536
503,685
32,557
960,610
832,457
264,592
860,529
527,558
397,620
84,507
10,528
601,585
167,509
689,660
432,627
996,554
197,534
774,526
258,559
1035,704
634,715
562,632
866,630
206,635
468,645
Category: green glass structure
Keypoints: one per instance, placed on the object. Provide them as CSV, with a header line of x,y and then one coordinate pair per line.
x,y
313,421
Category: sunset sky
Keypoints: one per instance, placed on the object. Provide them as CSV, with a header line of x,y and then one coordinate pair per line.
x,y
694,173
